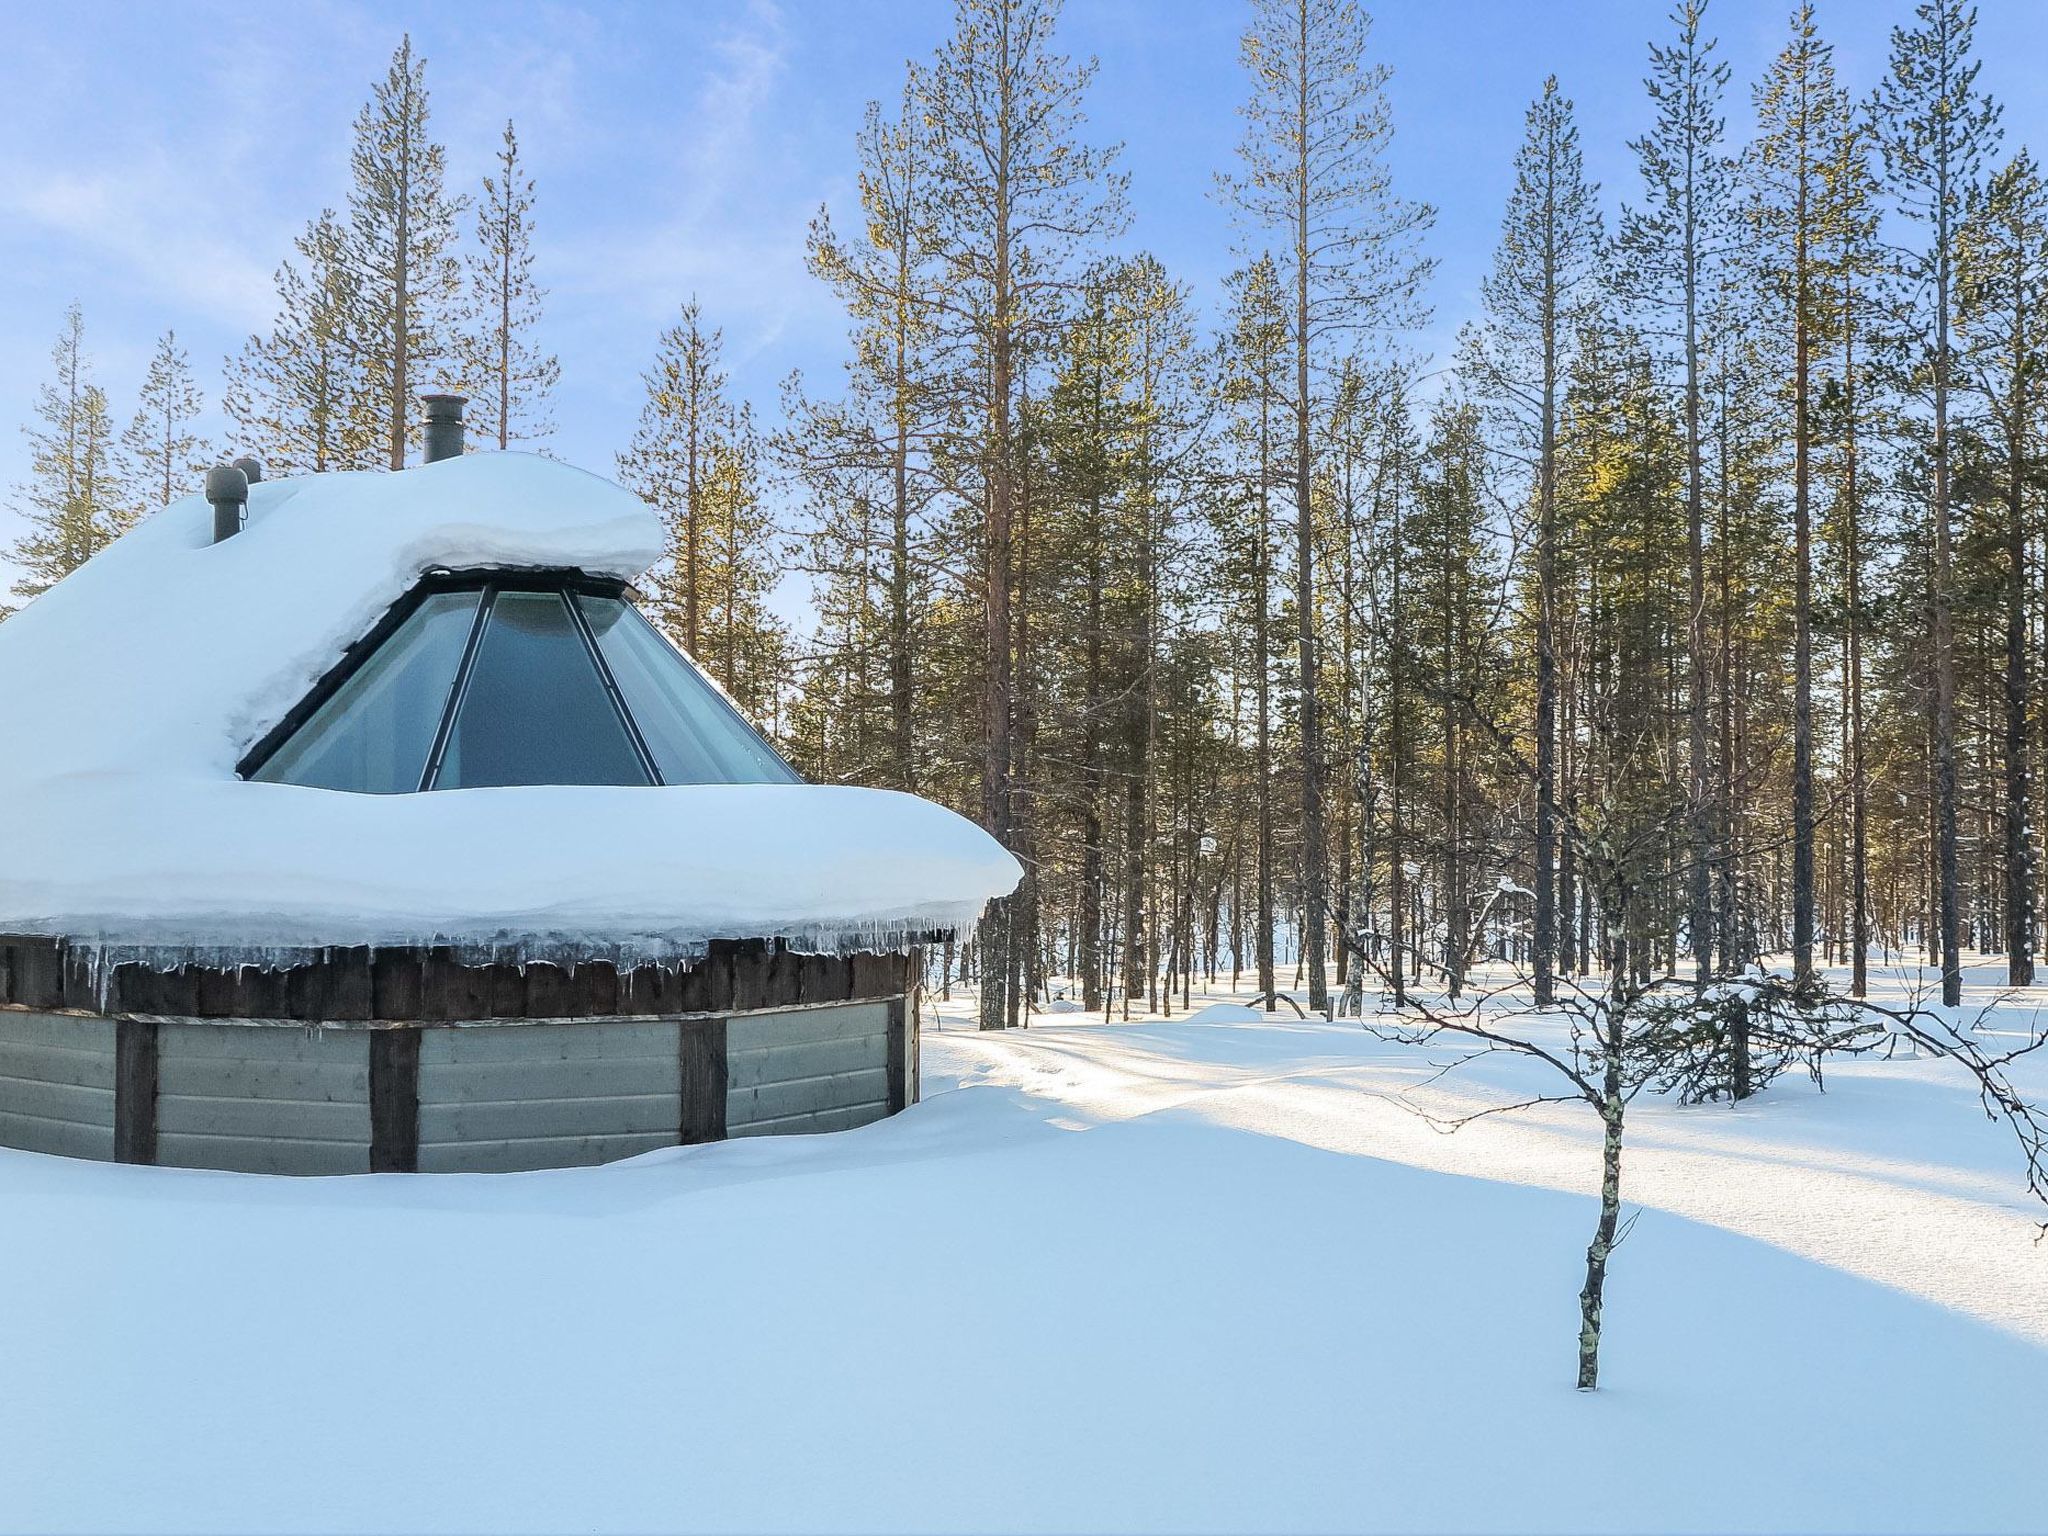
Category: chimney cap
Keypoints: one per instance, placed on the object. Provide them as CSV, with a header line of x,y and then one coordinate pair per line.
x,y
227,482
444,425
250,466
227,487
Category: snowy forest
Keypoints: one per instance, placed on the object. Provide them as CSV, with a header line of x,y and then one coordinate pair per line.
x,y
1683,615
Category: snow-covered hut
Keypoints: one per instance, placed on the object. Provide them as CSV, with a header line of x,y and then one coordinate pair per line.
x,y
360,821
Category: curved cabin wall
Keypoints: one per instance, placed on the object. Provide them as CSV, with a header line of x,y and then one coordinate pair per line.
x,y
302,1096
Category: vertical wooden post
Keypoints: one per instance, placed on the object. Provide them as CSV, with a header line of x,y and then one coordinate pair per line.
x,y
899,1052
135,1043
702,1050
394,1100
913,1046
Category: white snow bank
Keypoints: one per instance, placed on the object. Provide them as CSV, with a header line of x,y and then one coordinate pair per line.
x,y
1226,1013
136,685
1202,1326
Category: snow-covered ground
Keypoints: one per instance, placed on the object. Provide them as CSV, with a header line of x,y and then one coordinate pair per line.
x,y
1210,1273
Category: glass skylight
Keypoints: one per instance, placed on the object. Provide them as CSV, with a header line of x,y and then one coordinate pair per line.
x,y
374,733
535,709
694,735
520,682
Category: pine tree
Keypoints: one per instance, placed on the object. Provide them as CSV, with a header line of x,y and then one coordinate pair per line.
x,y
1015,194
162,457
891,420
2002,269
1401,454
1087,444
1152,319
1448,635
72,501
1670,246
1802,116
743,644
1852,262
1936,129
1544,277
401,242
508,378
299,396
1314,174
1255,388
669,462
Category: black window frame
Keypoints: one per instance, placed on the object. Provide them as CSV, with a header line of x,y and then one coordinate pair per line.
x,y
487,583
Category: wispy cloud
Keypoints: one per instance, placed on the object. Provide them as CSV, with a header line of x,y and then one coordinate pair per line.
x,y
183,240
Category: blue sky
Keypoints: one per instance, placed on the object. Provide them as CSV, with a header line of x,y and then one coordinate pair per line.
x,y
156,159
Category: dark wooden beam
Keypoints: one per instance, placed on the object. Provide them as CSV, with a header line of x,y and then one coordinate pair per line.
x,y
415,984
135,1042
394,1100
899,1054
703,1067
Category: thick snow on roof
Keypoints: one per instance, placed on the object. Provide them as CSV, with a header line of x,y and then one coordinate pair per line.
x,y
134,687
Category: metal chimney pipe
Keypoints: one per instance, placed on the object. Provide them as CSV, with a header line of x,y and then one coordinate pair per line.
x,y
227,487
444,426
252,467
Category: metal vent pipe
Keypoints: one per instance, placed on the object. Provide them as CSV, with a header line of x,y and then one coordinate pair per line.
x,y
252,467
444,426
227,487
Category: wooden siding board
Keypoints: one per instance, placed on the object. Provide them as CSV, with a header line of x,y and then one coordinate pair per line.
x,y
241,1154
59,1138
58,1101
58,1031
57,1077
569,1041
202,1042
523,1154
337,1076
238,1087
555,1077
548,1082
236,1115
814,1058
843,1119
526,1119
77,1065
806,1025
775,1101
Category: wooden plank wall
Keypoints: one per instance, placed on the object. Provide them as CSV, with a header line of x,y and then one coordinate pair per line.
x,y
546,1095
355,1096
263,1100
57,1084
822,1070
